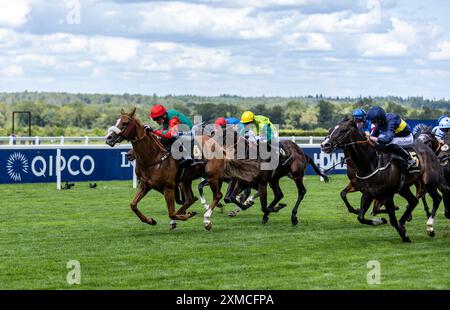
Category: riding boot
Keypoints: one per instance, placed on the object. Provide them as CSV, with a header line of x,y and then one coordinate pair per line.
x,y
404,155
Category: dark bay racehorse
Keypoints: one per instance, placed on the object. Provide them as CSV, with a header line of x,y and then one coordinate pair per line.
x,y
423,134
383,182
444,158
155,167
248,174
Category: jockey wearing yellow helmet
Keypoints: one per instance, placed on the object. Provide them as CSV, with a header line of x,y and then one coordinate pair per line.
x,y
265,130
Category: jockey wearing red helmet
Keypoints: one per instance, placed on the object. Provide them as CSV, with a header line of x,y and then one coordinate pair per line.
x,y
220,122
170,120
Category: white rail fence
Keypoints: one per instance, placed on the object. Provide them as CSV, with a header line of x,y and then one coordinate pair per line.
x,y
11,140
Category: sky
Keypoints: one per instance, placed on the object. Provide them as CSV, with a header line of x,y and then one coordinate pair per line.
x,y
248,48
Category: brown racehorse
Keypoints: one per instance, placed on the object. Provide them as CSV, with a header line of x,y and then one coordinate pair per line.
x,y
155,167
249,174
383,182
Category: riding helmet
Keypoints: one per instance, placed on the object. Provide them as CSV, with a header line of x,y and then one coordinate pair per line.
x,y
444,123
359,114
247,117
157,111
376,114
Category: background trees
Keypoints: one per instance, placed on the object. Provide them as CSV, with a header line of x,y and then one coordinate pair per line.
x,y
91,114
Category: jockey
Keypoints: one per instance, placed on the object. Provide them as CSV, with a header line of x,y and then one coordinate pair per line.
x,y
437,130
444,128
359,115
391,132
174,125
265,131
264,128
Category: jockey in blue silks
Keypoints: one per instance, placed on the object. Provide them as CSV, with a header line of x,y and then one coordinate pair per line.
x,y
437,130
444,127
390,133
359,115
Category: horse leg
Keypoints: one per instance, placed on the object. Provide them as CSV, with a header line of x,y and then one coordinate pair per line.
x,y
230,190
446,196
420,194
412,203
202,184
366,201
217,195
390,208
262,189
169,195
142,190
190,199
348,189
436,202
278,195
301,191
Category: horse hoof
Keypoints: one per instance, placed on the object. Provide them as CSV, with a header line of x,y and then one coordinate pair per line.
x,y
431,234
191,214
173,226
409,219
208,226
406,240
380,221
294,220
151,222
220,205
265,219
232,214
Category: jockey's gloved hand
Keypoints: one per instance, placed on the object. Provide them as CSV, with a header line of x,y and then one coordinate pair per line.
x,y
148,129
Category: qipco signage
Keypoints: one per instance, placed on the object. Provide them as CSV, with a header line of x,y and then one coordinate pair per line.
x,y
33,166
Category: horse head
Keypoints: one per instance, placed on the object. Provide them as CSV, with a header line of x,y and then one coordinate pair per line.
x,y
343,133
444,154
124,129
423,134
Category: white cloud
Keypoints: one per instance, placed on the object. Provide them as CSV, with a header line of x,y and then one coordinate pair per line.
x,y
44,60
394,43
385,69
342,22
113,49
14,13
167,56
194,19
12,71
308,41
63,43
246,69
443,52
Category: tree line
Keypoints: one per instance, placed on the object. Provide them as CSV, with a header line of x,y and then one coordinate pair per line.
x,y
55,114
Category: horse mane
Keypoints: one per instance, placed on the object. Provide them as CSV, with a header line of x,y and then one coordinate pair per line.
x,y
421,129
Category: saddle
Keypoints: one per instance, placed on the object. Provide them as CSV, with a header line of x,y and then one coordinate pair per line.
x,y
385,157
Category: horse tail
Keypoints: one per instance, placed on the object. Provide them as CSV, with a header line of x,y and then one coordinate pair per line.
x,y
316,169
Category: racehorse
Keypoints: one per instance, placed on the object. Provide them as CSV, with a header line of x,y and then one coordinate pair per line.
x,y
423,134
383,182
155,168
248,174
444,158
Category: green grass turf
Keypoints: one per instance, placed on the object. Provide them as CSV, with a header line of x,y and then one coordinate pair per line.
x,y
41,229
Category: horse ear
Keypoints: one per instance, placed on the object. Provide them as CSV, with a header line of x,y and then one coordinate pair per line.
x,y
122,111
133,112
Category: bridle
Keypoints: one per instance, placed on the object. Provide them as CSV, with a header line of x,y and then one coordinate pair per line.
x,y
339,143
127,134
